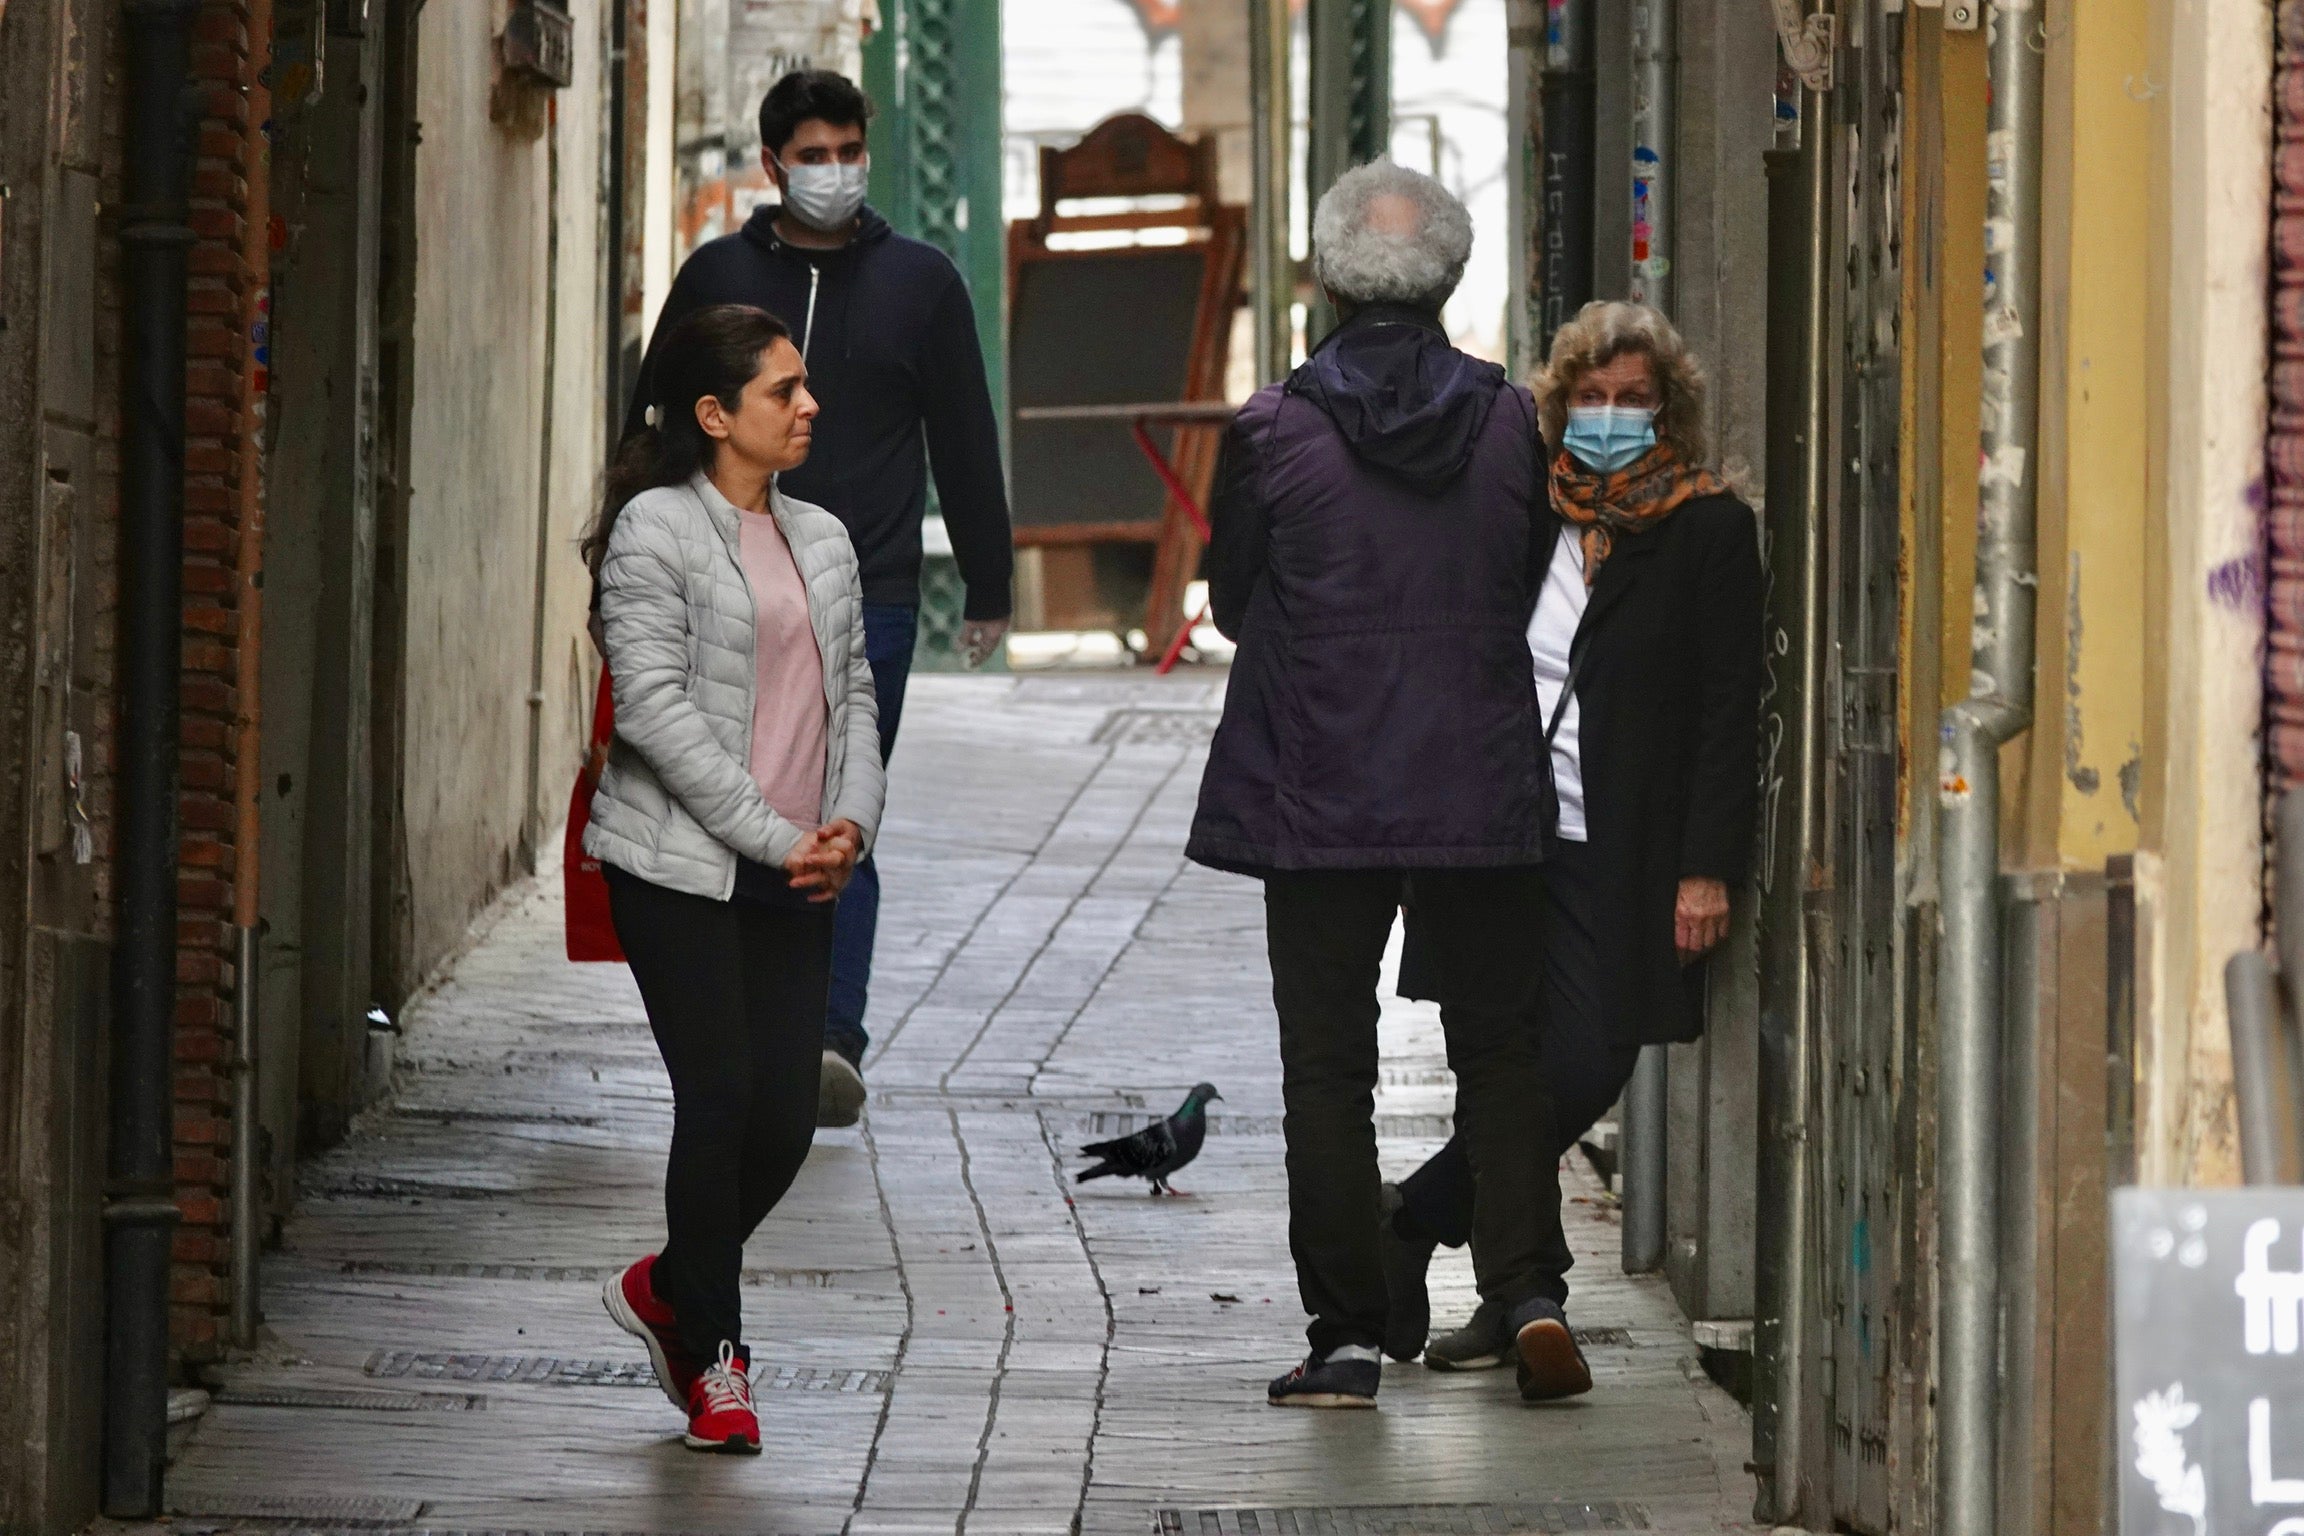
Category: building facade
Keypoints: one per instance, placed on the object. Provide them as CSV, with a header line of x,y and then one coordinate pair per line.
x,y
415,261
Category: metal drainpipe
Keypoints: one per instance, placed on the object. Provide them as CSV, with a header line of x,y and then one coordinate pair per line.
x,y
1272,268
1998,708
1655,140
248,769
532,815
140,1189
1785,1279
1647,1099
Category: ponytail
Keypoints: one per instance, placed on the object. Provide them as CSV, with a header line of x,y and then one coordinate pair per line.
x,y
715,351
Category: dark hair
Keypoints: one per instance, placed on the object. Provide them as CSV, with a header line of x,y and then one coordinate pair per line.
x,y
715,351
805,94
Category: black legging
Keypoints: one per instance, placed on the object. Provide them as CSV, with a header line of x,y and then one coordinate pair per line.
x,y
735,994
1580,1053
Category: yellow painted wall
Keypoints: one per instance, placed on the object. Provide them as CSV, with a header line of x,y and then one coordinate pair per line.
x,y
1960,253
2084,756
1943,365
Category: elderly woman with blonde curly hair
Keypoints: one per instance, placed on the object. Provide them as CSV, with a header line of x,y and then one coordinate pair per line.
x,y
1646,645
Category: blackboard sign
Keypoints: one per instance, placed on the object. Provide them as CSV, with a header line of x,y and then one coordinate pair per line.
x,y
1097,328
2208,1289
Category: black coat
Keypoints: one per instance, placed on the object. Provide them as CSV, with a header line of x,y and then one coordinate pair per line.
x,y
893,358
1374,555
1668,727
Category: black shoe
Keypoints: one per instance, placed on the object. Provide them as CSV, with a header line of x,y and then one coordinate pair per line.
x,y
1408,1318
1483,1344
1324,1381
1551,1366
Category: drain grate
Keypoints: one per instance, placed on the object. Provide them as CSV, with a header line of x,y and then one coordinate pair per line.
x,y
1406,1127
432,1114
353,1512
552,1371
531,1370
376,1186
789,1279
300,1528
1603,1338
352,1401
1401,1520
1157,728
793,1378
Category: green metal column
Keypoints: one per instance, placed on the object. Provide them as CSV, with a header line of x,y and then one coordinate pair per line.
x,y
1351,103
933,73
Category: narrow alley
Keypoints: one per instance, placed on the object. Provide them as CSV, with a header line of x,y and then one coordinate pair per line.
x,y
948,1333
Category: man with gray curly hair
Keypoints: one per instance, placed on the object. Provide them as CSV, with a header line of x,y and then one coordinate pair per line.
x,y
1384,234
1375,555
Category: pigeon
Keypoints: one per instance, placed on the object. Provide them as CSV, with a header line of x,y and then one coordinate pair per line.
x,y
1158,1150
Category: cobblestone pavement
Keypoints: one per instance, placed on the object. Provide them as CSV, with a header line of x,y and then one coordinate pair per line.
x,y
949,1334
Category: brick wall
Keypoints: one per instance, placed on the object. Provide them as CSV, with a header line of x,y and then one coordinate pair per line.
x,y
221,356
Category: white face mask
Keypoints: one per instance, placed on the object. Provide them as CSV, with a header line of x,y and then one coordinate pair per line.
x,y
825,197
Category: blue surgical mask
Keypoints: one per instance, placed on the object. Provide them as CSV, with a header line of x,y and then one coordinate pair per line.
x,y
1609,437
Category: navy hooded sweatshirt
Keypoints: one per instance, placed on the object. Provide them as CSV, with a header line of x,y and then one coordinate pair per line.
x,y
1376,556
890,339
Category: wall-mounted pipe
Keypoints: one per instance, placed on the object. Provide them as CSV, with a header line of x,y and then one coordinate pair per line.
x,y
1655,146
1272,267
140,1189
1787,1422
248,1218
1647,1099
1998,708
536,816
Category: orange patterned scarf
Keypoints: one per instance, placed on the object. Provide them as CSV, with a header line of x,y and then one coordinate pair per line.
x,y
1638,496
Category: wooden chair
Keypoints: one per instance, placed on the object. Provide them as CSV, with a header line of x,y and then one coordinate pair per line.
x,y
1125,302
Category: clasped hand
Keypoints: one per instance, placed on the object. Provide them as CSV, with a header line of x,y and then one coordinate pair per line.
x,y
826,859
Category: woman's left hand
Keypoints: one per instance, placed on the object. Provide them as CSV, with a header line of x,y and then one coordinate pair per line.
x,y
831,858
1699,918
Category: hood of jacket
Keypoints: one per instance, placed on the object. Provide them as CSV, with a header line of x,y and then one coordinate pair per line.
x,y
760,230
1405,400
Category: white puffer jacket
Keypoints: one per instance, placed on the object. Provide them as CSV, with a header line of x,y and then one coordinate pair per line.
x,y
677,802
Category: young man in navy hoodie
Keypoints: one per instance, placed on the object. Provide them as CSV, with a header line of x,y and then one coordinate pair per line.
x,y
889,335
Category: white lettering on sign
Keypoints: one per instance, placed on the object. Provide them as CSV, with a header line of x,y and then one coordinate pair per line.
x,y
2263,1487
2275,1298
2179,1484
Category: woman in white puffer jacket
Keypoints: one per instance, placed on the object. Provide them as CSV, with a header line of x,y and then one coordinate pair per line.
x,y
743,786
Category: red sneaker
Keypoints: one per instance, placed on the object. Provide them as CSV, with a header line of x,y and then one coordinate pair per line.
x,y
720,1416
632,1301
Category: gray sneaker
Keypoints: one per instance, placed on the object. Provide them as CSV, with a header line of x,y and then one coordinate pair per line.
x,y
1483,1344
839,1091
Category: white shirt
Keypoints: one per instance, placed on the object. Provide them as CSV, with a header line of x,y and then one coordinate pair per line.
x,y
1559,611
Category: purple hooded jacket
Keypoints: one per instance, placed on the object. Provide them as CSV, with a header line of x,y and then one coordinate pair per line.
x,y
1375,557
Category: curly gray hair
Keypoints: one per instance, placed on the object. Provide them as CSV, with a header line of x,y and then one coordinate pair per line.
x,y
1411,252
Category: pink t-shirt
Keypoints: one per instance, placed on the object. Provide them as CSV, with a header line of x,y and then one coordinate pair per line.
x,y
788,709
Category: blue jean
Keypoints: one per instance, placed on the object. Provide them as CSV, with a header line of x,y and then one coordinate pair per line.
x,y
890,630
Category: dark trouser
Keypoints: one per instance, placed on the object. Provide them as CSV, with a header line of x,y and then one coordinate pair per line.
x,y
1581,1052
1326,932
890,631
735,995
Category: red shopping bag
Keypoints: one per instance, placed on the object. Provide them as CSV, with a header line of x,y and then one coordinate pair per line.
x,y
591,931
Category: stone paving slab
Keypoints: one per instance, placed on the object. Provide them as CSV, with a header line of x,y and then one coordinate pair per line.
x,y
965,1339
